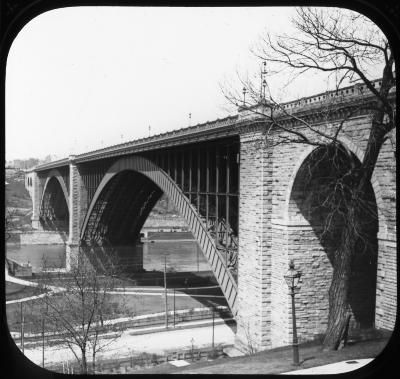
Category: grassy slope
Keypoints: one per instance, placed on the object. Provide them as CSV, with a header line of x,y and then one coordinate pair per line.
x,y
17,291
122,305
17,197
275,361
133,305
16,194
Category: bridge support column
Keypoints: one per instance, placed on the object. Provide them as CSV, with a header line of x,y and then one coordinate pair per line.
x,y
254,268
36,197
74,213
386,297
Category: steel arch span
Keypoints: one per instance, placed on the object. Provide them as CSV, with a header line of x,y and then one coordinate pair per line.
x,y
54,203
148,182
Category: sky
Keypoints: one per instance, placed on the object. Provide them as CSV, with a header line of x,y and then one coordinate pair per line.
x,y
82,78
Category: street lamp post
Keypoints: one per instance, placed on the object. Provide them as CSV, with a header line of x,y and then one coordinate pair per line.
x,y
292,278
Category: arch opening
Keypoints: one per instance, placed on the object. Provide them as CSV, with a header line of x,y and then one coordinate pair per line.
x,y
318,204
54,213
112,233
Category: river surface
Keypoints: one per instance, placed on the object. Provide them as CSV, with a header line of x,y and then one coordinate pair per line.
x,y
53,256
181,250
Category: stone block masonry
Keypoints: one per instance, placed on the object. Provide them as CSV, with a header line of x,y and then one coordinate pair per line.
x,y
274,229
386,286
75,205
254,296
35,192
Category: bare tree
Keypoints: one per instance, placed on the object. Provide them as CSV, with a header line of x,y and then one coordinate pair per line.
x,y
9,223
80,311
250,346
348,48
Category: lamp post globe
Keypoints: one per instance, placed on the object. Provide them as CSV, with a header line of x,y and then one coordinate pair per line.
x,y
292,276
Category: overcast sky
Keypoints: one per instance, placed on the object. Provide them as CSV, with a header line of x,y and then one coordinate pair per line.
x,y
82,78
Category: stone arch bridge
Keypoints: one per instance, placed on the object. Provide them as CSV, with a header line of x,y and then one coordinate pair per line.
x,y
239,188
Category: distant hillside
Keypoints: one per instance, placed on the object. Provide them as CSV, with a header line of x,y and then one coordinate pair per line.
x,y
164,207
18,202
16,194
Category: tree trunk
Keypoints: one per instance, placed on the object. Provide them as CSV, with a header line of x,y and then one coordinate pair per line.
x,y
84,362
94,362
339,289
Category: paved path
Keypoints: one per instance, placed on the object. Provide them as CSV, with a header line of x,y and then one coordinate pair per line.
x,y
154,291
159,288
333,368
162,293
27,283
12,279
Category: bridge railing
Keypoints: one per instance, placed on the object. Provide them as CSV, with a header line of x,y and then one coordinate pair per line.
x,y
342,94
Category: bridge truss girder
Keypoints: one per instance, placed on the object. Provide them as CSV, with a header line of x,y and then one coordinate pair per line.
x,y
208,175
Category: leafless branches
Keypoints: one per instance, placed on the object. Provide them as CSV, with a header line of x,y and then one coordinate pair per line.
x,y
337,42
78,311
348,48
330,40
9,223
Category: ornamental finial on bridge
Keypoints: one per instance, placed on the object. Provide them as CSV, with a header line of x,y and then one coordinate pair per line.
x,y
263,81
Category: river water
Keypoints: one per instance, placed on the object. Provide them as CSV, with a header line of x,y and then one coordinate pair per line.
x,y
52,255
181,250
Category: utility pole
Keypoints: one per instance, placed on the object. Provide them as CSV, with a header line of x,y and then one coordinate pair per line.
x,y
213,317
22,327
192,341
43,342
197,249
174,307
47,309
165,291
